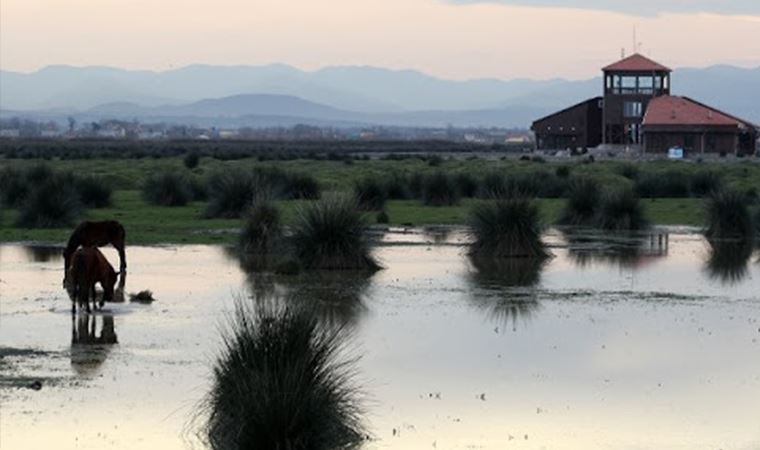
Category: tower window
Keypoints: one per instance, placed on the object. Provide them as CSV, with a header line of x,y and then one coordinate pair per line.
x,y
632,109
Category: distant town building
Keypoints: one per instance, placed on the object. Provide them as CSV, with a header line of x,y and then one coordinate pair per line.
x,y
637,110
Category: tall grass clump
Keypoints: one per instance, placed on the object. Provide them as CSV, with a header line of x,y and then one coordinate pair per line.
x,y
669,184
506,228
621,210
370,194
53,203
705,182
191,160
166,189
95,192
281,382
329,234
261,228
230,193
14,187
438,189
397,187
303,186
582,202
728,215
467,185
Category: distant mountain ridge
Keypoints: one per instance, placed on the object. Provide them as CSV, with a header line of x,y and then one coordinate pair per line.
x,y
347,94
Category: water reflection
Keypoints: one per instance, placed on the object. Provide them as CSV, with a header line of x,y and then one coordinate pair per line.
x,y
504,288
92,336
43,253
438,235
728,260
334,298
624,250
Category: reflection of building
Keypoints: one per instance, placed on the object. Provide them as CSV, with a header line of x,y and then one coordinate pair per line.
x,y
638,110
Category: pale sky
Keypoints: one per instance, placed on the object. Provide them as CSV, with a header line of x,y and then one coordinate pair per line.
x,y
457,39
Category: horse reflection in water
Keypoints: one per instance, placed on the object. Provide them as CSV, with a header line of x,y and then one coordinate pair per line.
x,y
505,288
92,337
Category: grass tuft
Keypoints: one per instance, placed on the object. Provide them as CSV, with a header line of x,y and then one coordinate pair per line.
x,y
54,203
329,234
280,383
728,215
582,203
261,228
506,229
230,193
95,192
439,189
621,211
166,189
370,194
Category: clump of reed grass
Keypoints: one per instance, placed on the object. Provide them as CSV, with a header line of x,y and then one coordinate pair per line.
x,y
506,228
303,186
261,229
582,202
166,189
438,189
466,184
53,203
370,194
14,187
280,383
230,193
705,182
728,215
620,210
191,160
397,187
329,234
95,192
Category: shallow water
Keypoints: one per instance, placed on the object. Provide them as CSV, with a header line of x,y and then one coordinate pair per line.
x,y
651,342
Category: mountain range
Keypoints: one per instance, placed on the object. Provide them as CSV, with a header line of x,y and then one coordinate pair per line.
x,y
333,96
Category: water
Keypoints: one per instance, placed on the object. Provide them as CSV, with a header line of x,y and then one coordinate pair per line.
x,y
641,343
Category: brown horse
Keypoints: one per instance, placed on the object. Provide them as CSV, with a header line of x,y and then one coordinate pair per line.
x,y
89,234
88,267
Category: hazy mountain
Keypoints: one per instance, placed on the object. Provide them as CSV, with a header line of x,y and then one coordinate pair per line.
x,y
349,94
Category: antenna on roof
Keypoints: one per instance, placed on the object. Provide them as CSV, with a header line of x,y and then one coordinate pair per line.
x,y
635,46
622,52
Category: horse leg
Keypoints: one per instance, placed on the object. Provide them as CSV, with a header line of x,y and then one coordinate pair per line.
x,y
119,246
94,297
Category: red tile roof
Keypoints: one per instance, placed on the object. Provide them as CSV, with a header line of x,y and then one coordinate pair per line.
x,y
674,110
636,63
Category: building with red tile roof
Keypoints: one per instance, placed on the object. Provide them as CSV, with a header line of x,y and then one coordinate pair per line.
x,y
638,111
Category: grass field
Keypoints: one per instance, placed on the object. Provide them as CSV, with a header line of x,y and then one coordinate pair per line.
x,y
147,224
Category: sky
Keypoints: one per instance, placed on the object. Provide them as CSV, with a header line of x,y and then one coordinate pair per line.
x,y
455,39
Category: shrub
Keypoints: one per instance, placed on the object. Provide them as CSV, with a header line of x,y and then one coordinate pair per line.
x,y
198,188
370,194
166,189
280,383
230,193
53,203
562,171
329,234
728,215
629,171
14,187
94,192
415,184
438,189
38,174
670,184
494,185
397,187
582,202
620,210
705,182
261,228
301,185
466,184
382,217
506,228
191,160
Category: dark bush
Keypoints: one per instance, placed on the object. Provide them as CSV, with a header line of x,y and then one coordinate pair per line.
x,y
53,203
705,182
198,188
728,215
563,171
14,187
329,234
582,202
230,193
370,194
438,189
670,184
397,187
620,210
94,192
506,228
494,185
166,189
630,171
280,383
415,184
382,217
191,160
467,185
303,186
261,228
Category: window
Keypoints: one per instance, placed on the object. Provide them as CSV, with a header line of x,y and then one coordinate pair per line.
x,y
646,85
632,109
628,85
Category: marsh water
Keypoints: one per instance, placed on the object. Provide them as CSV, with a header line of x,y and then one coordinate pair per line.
x,y
641,342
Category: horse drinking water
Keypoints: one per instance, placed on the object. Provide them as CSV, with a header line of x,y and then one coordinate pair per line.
x,y
98,234
88,267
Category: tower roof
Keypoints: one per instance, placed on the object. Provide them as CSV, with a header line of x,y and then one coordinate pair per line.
x,y
636,63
